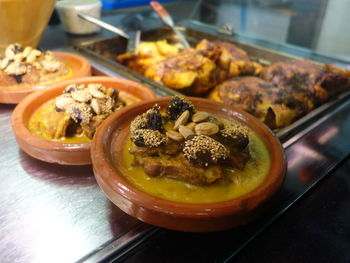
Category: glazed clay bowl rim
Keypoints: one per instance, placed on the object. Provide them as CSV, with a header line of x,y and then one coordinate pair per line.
x,y
108,175
15,96
19,125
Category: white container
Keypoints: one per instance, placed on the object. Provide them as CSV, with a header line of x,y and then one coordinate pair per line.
x,y
73,24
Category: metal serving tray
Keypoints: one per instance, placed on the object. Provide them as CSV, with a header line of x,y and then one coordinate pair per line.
x,y
106,50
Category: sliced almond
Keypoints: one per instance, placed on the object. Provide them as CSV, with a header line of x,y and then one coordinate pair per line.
x,y
182,120
200,116
93,89
81,95
206,128
95,106
191,125
63,102
4,63
70,88
9,52
16,68
26,51
33,55
185,131
174,135
51,65
18,57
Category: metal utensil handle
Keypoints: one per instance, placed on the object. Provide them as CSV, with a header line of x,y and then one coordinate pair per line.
x,y
163,14
166,18
102,24
181,37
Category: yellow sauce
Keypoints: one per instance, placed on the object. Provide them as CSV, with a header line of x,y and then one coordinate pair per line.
x,y
128,98
242,182
57,76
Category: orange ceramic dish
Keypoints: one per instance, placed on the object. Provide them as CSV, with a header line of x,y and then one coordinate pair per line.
x,y
77,67
58,152
195,217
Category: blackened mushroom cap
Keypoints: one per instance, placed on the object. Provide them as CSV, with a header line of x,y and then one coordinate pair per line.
x,y
177,105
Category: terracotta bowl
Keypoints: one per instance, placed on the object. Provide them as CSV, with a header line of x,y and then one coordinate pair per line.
x,y
80,68
175,215
57,152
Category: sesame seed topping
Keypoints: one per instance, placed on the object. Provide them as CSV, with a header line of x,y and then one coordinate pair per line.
x,y
79,112
138,123
203,144
149,138
151,119
233,129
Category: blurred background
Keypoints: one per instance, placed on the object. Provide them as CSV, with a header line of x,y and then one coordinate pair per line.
x,y
318,25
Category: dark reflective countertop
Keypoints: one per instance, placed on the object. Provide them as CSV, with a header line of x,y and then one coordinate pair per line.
x,y
315,229
48,212
54,213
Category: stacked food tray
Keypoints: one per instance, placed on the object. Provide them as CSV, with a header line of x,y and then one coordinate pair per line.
x,y
108,49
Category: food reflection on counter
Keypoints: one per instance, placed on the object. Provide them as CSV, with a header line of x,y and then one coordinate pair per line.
x,y
185,155
74,116
23,66
277,94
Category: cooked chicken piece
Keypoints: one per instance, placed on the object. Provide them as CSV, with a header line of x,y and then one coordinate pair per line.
x,y
177,168
193,71
148,53
32,76
301,78
336,81
7,80
89,129
230,60
189,72
166,49
169,161
274,105
289,90
54,124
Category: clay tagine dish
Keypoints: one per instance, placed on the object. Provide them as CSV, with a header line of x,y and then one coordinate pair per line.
x,y
24,70
187,164
57,124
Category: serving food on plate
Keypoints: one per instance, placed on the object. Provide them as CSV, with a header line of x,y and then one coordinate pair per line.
x,y
277,94
74,115
194,148
26,69
57,124
187,163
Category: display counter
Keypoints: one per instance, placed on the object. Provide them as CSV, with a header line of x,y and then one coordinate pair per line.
x,y
57,213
